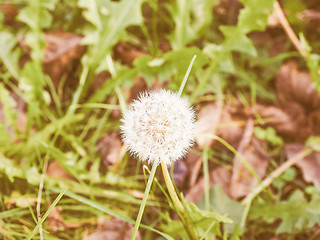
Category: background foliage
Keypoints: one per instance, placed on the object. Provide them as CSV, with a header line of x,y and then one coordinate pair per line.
x,y
68,69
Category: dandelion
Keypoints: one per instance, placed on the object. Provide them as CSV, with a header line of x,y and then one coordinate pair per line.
x,y
159,126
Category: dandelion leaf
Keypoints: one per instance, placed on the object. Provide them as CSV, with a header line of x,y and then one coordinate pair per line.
x,y
296,213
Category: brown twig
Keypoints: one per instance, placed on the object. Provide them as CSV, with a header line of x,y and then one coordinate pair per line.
x,y
275,174
43,176
287,28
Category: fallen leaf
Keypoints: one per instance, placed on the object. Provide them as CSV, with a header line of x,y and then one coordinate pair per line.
x,y
114,229
309,14
55,219
313,120
55,170
126,53
10,12
274,44
61,49
110,148
309,166
292,125
180,172
293,85
232,122
253,152
194,164
208,119
220,176
139,86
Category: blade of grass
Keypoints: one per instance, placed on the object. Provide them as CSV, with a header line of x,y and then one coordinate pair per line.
x,y
206,177
55,202
235,152
107,210
144,201
186,76
78,92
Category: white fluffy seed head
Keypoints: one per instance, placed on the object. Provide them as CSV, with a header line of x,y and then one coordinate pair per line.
x,y
159,126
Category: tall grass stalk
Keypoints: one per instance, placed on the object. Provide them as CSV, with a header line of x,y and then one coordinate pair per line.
x,y
144,201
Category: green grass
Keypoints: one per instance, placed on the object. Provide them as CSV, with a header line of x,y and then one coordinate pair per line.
x,y
45,120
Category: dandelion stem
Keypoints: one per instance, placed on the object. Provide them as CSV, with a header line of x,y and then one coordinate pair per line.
x,y
176,202
144,201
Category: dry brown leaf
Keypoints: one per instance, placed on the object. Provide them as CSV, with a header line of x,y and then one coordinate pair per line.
x,y
55,219
309,14
232,122
208,119
293,85
126,53
61,49
193,162
275,44
110,148
314,121
180,172
10,12
139,86
253,152
309,166
114,229
290,122
220,176
55,170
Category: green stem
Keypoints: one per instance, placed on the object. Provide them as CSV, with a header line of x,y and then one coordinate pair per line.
x,y
144,201
206,177
176,202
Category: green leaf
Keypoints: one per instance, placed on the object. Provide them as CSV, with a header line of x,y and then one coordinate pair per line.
x,y
269,134
28,16
169,66
254,16
293,8
31,86
191,20
314,143
9,107
91,13
237,40
8,167
5,137
110,19
296,213
223,58
313,62
221,203
205,223
12,170
7,54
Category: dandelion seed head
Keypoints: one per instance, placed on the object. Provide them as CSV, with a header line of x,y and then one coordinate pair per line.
x,y
158,126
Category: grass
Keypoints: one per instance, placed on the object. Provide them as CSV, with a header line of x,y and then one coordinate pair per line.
x,y
44,120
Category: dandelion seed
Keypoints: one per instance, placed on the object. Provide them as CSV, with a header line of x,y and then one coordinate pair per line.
x,y
159,126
